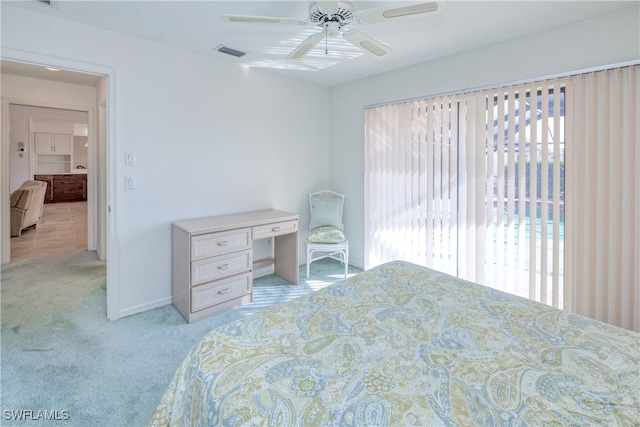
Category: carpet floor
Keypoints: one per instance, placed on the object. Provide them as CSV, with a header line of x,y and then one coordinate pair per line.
x,y
64,363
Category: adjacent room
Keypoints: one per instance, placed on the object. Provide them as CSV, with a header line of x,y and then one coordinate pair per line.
x,y
58,139
469,167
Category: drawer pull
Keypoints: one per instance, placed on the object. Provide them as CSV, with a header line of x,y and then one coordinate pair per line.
x,y
275,228
223,291
223,267
223,243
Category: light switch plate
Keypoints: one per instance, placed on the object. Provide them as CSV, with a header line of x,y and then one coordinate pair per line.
x,y
130,158
129,182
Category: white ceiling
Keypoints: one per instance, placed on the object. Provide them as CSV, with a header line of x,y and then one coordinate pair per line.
x,y
196,26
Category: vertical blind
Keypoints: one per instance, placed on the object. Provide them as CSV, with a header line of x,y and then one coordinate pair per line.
x,y
411,183
513,188
604,188
471,185
474,185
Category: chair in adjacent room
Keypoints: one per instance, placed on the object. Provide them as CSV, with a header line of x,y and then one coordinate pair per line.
x,y
27,204
326,236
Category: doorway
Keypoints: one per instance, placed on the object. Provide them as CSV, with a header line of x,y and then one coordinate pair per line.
x,y
64,225
18,65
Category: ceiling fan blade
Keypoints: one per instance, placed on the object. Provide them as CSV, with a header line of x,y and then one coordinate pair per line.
x,y
327,4
366,43
398,10
262,19
304,48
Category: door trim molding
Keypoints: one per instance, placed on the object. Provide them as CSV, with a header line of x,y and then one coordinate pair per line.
x,y
106,190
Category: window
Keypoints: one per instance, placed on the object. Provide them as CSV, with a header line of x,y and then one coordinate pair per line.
x,y
525,193
471,185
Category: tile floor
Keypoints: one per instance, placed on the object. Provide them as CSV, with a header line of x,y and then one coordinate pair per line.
x,y
62,229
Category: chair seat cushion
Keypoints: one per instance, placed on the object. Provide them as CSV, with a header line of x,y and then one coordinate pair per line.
x,y
326,234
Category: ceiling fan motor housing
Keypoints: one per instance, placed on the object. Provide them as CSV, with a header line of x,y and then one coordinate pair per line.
x,y
342,14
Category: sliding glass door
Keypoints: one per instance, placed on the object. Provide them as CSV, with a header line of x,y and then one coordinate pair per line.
x,y
471,185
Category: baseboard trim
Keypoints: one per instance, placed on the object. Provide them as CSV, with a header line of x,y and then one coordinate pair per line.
x,y
143,307
167,300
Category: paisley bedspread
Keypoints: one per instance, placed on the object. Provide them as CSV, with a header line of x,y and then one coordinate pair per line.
x,y
404,345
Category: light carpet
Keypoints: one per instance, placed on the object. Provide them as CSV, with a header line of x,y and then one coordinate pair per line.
x,y
64,363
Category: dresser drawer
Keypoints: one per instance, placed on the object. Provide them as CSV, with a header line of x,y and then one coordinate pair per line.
x,y
208,269
218,292
68,189
275,229
65,188
207,245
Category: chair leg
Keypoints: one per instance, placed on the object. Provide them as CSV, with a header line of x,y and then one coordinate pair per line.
x,y
344,258
346,262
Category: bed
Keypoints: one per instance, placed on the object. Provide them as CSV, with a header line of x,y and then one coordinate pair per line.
x,y
401,344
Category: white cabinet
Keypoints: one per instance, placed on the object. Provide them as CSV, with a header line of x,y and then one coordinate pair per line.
x,y
213,259
50,143
53,153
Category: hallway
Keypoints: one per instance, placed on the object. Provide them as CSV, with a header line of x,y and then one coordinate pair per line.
x,y
62,229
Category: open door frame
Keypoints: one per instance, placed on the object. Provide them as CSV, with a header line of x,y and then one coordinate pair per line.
x,y
92,173
104,223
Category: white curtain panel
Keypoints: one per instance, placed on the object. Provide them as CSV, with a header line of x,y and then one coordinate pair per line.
x,y
603,191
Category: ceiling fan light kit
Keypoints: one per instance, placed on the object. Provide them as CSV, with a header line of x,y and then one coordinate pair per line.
x,y
333,16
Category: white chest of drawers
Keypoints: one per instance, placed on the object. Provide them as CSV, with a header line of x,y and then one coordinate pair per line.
x,y
213,259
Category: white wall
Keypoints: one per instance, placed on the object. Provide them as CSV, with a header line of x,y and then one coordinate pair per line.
x,y
608,39
20,170
210,137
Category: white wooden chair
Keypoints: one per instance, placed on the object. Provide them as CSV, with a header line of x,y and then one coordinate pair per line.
x,y
326,237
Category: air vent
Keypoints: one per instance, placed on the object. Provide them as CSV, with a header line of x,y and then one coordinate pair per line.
x,y
229,51
50,3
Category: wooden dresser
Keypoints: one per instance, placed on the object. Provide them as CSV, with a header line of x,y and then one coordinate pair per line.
x,y
212,260
64,187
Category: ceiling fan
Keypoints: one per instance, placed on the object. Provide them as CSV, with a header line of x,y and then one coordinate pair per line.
x,y
334,16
